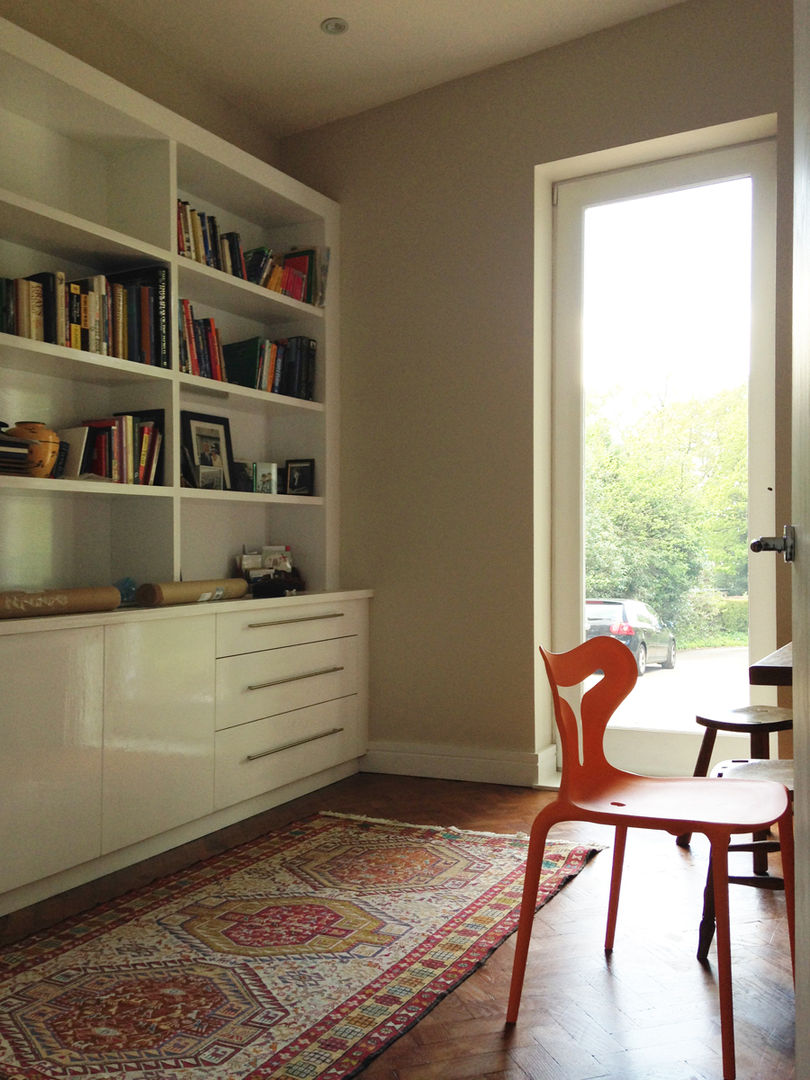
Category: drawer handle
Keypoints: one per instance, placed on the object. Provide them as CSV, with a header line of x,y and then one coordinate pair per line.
x,y
296,742
295,678
287,622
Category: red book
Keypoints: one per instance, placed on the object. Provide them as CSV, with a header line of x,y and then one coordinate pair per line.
x,y
188,325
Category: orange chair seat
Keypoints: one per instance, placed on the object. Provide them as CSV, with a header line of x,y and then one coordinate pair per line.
x,y
645,802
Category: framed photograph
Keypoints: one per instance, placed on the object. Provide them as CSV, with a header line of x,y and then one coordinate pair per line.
x,y
300,477
207,441
209,477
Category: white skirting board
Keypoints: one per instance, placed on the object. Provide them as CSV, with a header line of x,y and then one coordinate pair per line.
x,y
463,763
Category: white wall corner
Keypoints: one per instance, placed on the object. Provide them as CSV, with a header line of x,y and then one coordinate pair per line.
x,y
518,769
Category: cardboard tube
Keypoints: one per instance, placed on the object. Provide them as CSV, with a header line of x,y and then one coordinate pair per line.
x,y
190,592
19,605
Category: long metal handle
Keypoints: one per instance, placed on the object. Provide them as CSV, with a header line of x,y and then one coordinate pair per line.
x,y
296,742
294,678
303,618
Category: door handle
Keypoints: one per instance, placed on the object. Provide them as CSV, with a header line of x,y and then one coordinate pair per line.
x,y
786,543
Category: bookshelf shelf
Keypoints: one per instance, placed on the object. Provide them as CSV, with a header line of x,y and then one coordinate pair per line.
x,y
98,489
221,290
32,224
252,498
73,365
89,185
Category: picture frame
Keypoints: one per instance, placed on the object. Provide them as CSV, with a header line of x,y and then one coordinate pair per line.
x,y
210,477
300,475
206,441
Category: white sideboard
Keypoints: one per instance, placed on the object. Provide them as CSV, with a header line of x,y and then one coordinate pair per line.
x,y
126,733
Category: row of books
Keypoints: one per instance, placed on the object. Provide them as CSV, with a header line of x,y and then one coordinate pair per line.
x,y
285,366
299,273
200,344
124,448
122,314
199,238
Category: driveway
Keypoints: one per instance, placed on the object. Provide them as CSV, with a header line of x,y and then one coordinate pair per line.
x,y
701,679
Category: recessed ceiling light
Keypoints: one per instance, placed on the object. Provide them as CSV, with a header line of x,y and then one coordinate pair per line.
x,y
334,26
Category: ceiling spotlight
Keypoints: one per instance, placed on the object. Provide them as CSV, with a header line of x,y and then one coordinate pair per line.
x,y
334,26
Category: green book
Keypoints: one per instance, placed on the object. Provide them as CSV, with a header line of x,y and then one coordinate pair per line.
x,y
243,360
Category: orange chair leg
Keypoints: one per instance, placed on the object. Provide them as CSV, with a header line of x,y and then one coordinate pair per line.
x,y
719,856
615,885
534,866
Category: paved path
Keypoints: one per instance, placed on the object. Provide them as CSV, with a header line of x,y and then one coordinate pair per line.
x,y
701,679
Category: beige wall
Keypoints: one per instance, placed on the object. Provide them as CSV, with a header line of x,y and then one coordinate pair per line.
x,y
436,195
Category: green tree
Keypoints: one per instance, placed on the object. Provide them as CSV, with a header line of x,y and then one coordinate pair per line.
x,y
666,499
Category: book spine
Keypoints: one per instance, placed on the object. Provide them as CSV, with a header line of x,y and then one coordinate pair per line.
x,y
154,457
144,344
181,240
36,311
199,245
188,322
162,316
7,306
58,470
60,313
75,310
22,314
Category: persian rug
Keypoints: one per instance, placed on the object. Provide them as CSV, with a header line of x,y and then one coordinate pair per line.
x,y
299,956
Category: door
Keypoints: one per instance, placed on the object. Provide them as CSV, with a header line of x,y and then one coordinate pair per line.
x,y
800,571
672,183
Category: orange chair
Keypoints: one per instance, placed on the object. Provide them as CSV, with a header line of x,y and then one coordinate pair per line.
x,y
591,789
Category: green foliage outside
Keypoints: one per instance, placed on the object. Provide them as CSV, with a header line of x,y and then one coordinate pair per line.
x,y
666,512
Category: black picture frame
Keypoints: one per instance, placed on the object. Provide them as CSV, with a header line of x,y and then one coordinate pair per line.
x,y
207,441
300,476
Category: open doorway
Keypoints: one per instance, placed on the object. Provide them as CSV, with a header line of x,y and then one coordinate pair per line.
x,y
664,431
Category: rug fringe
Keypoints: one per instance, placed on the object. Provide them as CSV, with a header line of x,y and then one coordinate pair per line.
x,y
411,825
596,848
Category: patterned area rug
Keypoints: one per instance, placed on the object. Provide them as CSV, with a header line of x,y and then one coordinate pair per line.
x,y
299,956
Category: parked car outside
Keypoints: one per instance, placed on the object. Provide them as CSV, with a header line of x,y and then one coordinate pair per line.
x,y
636,626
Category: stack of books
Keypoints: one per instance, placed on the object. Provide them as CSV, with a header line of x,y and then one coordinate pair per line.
x,y
13,454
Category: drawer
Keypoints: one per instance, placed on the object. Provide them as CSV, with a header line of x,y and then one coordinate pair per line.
x,y
272,628
257,757
274,681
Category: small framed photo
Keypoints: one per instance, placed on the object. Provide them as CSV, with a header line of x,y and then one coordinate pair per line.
x,y
207,442
209,477
300,476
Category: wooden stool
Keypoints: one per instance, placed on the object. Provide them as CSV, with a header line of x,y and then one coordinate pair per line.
x,y
758,721
778,769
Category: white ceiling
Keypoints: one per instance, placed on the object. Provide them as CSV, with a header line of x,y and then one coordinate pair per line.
x,y
272,59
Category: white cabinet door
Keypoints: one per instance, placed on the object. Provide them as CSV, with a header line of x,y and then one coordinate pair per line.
x,y
50,765
158,727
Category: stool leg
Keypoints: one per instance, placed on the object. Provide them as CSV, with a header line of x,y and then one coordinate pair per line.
x,y
760,748
701,769
706,930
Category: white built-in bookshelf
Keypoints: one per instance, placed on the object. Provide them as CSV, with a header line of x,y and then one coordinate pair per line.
x,y
90,176
131,731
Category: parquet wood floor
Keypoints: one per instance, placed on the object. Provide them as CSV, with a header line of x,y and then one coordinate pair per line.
x,y
647,1012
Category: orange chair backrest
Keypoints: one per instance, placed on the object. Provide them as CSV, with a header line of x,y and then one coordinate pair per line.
x,y
584,762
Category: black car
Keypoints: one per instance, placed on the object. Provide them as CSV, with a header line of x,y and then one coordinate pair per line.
x,y
636,626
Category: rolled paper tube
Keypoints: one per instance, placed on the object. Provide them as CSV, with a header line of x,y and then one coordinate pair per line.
x,y
19,605
190,592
